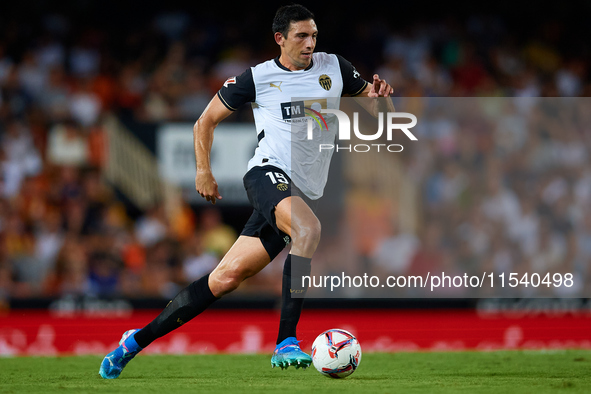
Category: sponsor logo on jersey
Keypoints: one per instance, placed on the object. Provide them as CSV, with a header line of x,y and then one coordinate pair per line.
x,y
229,81
325,81
272,85
302,109
294,109
282,187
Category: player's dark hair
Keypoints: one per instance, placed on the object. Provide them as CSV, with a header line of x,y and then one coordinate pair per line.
x,y
287,14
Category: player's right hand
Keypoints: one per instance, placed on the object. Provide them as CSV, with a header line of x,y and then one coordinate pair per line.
x,y
207,187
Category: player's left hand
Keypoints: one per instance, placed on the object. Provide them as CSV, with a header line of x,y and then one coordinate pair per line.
x,y
380,88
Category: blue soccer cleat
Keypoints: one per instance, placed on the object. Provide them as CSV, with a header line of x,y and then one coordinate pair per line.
x,y
289,353
114,362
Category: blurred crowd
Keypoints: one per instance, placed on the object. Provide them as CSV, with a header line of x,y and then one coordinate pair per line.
x,y
508,196
68,234
504,186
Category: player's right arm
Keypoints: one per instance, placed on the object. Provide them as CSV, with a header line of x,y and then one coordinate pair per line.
x,y
235,92
205,183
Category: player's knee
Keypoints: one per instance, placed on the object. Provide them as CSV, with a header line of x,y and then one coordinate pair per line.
x,y
227,284
308,234
229,280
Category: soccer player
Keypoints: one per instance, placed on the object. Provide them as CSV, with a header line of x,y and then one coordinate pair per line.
x,y
284,198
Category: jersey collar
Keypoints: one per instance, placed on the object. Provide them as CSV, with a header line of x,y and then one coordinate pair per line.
x,y
281,66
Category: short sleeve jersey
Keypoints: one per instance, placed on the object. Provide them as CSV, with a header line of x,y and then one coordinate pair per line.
x,y
282,102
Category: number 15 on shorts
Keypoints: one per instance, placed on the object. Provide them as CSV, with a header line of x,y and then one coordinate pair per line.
x,y
277,177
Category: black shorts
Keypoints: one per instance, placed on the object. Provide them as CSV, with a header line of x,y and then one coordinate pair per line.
x,y
266,186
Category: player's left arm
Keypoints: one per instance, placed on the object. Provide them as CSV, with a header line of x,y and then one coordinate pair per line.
x,y
378,88
355,86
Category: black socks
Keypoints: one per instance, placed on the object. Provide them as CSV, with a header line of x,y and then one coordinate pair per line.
x,y
197,297
190,302
291,307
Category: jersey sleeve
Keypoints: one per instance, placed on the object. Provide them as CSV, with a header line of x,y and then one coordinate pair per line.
x,y
353,84
238,91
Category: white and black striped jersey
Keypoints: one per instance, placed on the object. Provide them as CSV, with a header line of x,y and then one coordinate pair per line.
x,y
282,102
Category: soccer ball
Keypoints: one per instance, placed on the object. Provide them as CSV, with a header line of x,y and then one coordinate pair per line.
x,y
336,353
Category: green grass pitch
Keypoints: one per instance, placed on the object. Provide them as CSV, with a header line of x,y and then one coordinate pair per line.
x,y
464,372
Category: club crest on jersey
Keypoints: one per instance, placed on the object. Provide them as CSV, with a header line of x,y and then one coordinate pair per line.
x,y
325,81
229,81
